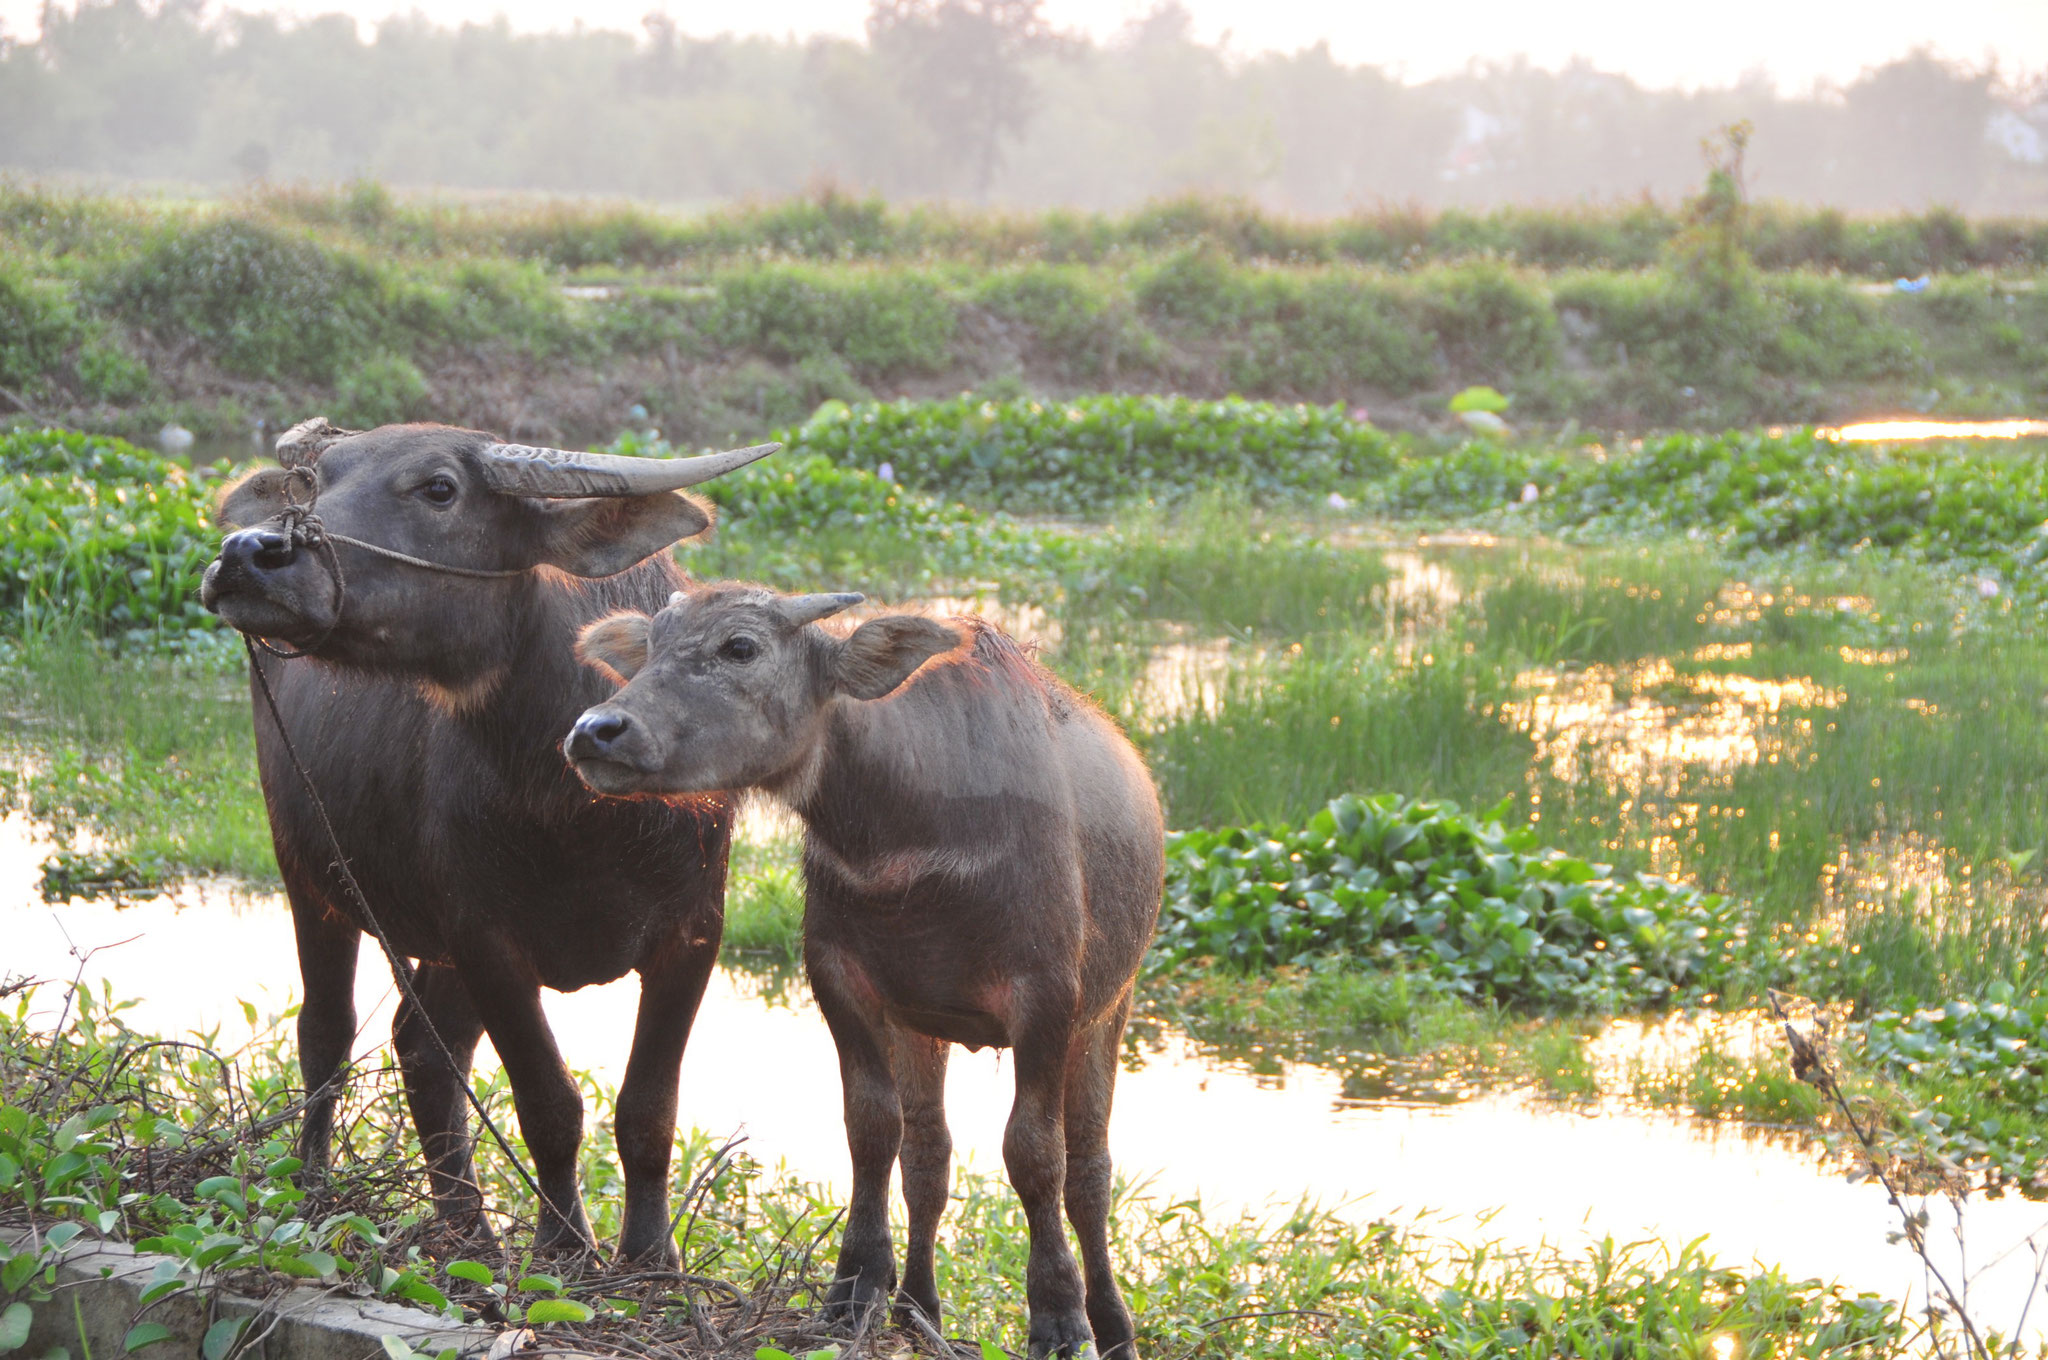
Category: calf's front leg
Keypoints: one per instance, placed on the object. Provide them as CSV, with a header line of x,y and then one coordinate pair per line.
x,y
866,1273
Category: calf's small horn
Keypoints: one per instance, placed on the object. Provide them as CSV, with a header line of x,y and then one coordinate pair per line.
x,y
798,610
521,470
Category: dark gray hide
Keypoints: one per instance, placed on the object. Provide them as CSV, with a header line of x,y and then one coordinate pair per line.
x,y
428,717
982,863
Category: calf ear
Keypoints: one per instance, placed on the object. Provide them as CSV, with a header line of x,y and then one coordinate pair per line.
x,y
883,653
617,644
252,499
604,535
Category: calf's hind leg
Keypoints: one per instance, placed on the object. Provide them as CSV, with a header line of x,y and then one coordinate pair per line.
x,y
927,1161
1091,1083
1035,1153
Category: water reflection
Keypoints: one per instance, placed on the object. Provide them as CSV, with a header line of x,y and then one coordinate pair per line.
x,y
1913,428
1644,727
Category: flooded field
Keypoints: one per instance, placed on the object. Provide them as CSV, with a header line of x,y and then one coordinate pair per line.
x,y
1853,754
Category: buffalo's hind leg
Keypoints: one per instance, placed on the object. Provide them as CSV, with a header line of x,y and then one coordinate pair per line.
x,y
434,1084
927,1161
866,1273
328,946
1091,1084
671,989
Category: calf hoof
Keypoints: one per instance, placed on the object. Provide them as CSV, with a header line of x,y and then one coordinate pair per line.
x,y
1061,1334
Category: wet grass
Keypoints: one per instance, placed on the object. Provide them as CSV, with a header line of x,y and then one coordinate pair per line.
x,y
154,754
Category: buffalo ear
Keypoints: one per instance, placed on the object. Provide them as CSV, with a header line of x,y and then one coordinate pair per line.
x,y
604,535
883,653
251,499
617,644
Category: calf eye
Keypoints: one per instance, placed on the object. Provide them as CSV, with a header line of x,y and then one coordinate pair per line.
x,y
741,648
440,490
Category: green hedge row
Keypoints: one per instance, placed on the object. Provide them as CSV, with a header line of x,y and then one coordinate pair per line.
x,y
287,306
835,226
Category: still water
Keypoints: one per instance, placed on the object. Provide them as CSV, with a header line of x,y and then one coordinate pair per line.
x,y
1503,1165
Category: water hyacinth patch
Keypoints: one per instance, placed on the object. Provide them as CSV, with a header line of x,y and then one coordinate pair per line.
x,y
1089,453
1482,907
97,531
1977,1072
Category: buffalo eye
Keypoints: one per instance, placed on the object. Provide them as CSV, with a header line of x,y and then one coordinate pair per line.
x,y
440,490
741,648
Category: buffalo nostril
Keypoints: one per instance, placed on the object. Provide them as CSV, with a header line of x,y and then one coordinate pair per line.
x,y
273,551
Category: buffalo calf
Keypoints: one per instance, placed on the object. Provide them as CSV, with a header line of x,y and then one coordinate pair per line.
x,y
982,863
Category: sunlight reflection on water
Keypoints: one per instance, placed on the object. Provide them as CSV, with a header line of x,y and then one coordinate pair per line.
x,y
1914,428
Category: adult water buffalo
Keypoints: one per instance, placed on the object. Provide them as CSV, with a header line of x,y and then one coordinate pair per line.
x,y
439,594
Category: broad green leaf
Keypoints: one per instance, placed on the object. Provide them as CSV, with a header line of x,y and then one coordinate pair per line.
x,y
15,1320
559,1310
143,1334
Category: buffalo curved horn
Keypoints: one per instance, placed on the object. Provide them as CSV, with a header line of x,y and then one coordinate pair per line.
x,y
798,610
521,470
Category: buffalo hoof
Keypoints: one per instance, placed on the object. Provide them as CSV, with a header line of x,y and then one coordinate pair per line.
x,y
908,1304
854,1301
660,1255
1061,1334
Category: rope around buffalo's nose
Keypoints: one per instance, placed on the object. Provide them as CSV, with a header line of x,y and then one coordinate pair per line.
x,y
303,528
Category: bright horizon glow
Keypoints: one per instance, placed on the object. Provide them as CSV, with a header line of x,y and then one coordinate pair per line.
x,y
1795,43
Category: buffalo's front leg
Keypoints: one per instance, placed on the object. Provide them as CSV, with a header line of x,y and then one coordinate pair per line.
x,y
328,946
671,989
927,1160
874,1129
1035,1153
507,1000
436,1074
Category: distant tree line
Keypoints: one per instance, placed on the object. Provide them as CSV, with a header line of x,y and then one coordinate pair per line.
x,y
961,99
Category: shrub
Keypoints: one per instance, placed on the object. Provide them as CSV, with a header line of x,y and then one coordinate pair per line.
x,y
381,391
879,321
36,326
108,372
264,303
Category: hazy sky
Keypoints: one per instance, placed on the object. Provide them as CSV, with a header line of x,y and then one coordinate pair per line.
x,y
1794,41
